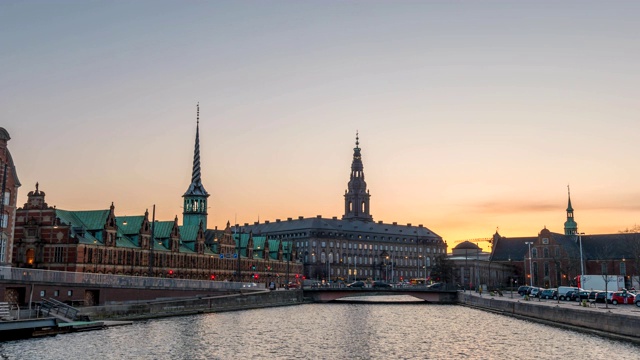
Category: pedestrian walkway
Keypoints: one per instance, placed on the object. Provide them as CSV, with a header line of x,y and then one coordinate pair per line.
x,y
631,310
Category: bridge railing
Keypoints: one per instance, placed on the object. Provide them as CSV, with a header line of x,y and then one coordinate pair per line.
x,y
441,287
79,278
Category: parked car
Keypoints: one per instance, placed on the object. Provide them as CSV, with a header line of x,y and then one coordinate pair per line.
x,y
563,290
580,295
593,293
381,285
569,295
535,292
356,284
523,290
549,294
435,286
622,298
601,296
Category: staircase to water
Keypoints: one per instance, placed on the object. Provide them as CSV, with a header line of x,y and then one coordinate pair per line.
x,y
60,311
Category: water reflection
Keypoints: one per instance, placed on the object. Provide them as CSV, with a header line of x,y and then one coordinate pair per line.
x,y
330,331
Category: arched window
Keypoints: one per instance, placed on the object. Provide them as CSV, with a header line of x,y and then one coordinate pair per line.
x,y
30,256
545,252
534,253
323,258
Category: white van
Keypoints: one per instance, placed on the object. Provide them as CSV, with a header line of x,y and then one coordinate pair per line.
x,y
563,290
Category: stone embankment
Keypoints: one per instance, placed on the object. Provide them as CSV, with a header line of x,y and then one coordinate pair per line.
x,y
614,321
195,305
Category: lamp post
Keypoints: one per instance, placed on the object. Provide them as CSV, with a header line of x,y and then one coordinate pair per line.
x,y
581,261
386,268
511,277
530,263
238,246
152,241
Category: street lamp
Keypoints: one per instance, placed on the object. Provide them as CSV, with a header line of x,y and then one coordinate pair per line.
x,y
581,261
530,263
511,277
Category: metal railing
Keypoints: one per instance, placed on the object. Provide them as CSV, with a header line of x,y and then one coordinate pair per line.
x,y
53,306
109,280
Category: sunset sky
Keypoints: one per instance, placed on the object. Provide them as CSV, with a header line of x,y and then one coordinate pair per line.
x,y
473,115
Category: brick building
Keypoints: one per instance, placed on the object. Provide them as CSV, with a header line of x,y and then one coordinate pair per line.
x,y
554,259
99,241
10,184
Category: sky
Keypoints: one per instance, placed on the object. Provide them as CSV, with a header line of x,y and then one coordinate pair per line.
x,y
473,116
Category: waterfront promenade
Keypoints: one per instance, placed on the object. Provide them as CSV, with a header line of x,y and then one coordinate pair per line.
x,y
630,310
615,321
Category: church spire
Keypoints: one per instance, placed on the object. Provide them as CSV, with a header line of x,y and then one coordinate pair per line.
x,y
195,198
570,226
356,197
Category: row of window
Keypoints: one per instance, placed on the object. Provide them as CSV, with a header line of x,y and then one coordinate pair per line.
x,y
545,252
345,235
377,273
363,260
374,247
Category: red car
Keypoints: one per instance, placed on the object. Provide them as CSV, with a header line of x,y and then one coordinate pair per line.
x,y
622,298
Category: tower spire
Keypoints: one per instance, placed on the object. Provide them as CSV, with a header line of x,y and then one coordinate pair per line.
x,y
356,198
195,198
570,226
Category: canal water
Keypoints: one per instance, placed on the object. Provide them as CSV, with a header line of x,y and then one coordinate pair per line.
x,y
327,331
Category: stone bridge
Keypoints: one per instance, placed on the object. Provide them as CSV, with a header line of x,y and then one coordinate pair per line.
x,y
323,295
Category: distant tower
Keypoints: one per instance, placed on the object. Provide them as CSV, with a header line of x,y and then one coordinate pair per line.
x,y
356,198
570,226
195,199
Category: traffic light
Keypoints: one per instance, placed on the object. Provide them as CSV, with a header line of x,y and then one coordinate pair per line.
x,y
170,272
297,276
255,276
253,267
213,276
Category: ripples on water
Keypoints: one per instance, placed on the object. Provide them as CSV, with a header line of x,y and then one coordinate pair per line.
x,y
331,331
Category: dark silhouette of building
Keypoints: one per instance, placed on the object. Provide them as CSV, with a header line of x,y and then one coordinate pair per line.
x,y
552,259
355,246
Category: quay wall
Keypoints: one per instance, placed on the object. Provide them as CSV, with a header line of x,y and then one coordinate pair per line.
x,y
194,305
598,321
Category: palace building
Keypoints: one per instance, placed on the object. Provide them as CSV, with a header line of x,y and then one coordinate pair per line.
x,y
355,247
99,241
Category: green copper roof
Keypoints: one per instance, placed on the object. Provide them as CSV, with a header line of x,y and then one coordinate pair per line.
x,y
88,220
259,242
162,229
134,223
125,242
189,232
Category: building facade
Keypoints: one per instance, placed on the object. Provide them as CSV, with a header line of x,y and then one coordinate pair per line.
x,y
10,185
356,247
553,259
99,241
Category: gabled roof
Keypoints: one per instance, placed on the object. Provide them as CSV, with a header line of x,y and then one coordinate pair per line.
x,y
610,246
189,232
133,226
514,249
259,242
162,229
89,220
